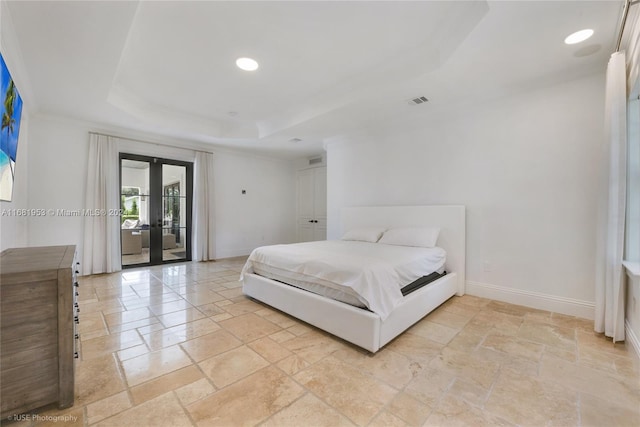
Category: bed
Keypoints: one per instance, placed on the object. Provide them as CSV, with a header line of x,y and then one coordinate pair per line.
x,y
374,327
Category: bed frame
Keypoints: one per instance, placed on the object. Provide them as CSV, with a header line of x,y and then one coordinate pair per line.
x,y
362,327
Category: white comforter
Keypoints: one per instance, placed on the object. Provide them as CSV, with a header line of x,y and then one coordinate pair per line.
x,y
375,272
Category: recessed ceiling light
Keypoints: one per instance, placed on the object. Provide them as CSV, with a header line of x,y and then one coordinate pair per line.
x,y
578,36
247,64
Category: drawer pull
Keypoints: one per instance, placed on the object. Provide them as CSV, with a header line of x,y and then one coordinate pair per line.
x,y
77,336
76,284
75,355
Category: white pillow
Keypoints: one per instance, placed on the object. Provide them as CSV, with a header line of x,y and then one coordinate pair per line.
x,y
368,234
131,223
424,237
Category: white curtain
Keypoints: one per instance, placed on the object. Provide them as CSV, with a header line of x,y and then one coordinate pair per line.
x,y
101,253
204,243
610,290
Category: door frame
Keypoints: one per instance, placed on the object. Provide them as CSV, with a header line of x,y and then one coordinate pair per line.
x,y
156,209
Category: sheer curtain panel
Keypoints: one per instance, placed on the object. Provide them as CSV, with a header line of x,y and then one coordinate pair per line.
x,y
101,253
610,292
204,243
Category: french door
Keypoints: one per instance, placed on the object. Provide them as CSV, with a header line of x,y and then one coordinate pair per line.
x,y
155,204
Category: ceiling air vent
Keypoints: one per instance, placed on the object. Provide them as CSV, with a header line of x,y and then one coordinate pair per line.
x,y
417,101
315,161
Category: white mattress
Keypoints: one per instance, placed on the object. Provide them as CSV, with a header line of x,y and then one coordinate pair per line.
x,y
359,273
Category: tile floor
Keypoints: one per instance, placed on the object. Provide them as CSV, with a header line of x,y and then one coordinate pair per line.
x,y
181,346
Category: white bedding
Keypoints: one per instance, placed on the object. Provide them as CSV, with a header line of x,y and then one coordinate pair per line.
x,y
373,273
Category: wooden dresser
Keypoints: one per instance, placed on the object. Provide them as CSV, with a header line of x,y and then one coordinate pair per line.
x,y
38,291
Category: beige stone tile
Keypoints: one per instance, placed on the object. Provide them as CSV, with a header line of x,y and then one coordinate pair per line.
x,y
356,395
195,391
306,411
132,352
107,407
312,346
153,365
392,368
220,317
240,308
231,293
282,336
475,369
108,344
488,321
448,319
210,345
568,355
596,412
466,341
537,402
280,319
180,333
409,409
170,307
111,306
161,385
91,322
249,327
247,402
514,346
211,309
472,393
203,297
429,386
96,379
455,412
471,300
292,364
385,419
415,347
595,341
164,410
460,309
622,391
507,361
119,318
181,317
269,349
300,329
512,309
229,367
434,331
550,335
137,324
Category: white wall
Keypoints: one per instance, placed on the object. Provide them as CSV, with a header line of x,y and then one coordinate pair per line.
x,y
58,150
524,166
13,228
264,215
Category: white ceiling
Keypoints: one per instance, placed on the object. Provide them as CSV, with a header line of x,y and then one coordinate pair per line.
x,y
325,67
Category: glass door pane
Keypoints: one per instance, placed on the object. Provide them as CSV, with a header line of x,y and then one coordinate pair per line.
x,y
134,205
174,209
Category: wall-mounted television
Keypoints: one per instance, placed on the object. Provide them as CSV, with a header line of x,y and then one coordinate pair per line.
x,y
11,115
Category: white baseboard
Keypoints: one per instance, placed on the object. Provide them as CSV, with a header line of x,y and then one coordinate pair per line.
x,y
232,253
631,338
562,305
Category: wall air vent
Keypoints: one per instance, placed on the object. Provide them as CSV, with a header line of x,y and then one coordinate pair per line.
x,y
417,101
315,161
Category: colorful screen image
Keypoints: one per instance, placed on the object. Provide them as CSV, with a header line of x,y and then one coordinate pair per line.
x,y
11,114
